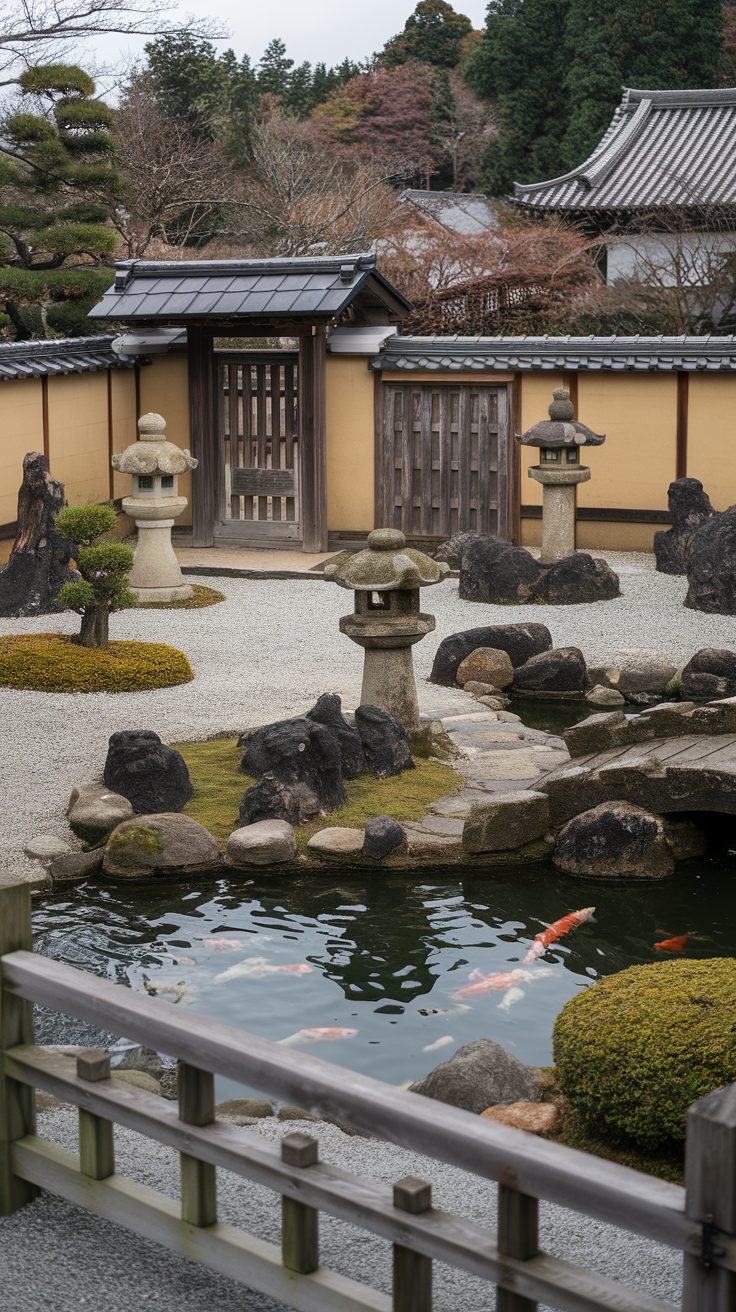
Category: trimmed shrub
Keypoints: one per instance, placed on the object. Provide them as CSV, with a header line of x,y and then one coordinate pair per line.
x,y
635,1050
51,662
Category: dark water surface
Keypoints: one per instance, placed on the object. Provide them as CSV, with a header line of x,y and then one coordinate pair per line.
x,y
380,950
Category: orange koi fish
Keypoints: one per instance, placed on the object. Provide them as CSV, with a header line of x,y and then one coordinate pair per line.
x,y
319,1032
542,941
500,979
675,944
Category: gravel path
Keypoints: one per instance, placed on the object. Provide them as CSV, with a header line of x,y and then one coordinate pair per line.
x,y
57,1257
268,652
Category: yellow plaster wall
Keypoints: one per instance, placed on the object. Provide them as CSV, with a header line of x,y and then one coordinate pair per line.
x,y
711,443
536,394
637,463
21,430
164,389
349,425
78,436
123,422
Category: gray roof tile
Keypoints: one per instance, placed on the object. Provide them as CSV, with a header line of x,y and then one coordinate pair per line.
x,y
69,355
610,354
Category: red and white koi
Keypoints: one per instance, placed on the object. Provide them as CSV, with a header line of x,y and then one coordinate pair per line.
x,y
320,1033
258,968
552,933
499,979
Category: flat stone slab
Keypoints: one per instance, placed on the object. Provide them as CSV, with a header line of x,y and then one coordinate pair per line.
x,y
336,841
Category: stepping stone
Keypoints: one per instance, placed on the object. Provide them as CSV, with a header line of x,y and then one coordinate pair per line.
x,y
336,842
44,847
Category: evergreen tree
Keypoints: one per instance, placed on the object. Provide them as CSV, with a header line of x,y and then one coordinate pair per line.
x,y
274,69
443,117
298,98
191,83
104,566
57,180
433,34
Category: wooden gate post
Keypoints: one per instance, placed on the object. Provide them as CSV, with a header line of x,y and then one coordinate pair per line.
x,y
518,1236
710,1184
17,1101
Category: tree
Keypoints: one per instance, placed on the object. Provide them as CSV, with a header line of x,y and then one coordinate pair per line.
x,y
274,69
56,180
214,97
388,114
433,34
104,568
462,126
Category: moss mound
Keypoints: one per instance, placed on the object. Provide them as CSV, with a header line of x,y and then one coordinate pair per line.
x,y
52,662
635,1050
200,597
218,790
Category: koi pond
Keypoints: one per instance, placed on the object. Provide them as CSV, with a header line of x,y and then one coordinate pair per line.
x,y
382,960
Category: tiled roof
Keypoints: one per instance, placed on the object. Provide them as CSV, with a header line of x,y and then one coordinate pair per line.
x,y
488,354
314,287
662,149
64,355
467,213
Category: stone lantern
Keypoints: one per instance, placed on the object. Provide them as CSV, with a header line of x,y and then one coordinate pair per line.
x,y
386,579
559,439
155,465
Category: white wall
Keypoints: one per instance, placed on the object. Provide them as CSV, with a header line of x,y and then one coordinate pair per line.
x,y
684,259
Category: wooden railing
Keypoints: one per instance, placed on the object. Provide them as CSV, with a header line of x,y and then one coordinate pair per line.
x,y
700,1221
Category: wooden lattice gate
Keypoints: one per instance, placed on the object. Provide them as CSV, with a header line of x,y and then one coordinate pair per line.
x,y
445,459
257,395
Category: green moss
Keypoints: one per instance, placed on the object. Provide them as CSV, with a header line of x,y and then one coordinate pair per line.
x,y
142,838
635,1050
667,1165
200,597
51,662
218,790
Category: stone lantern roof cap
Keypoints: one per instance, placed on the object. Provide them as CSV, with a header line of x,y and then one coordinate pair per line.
x,y
560,429
152,453
386,565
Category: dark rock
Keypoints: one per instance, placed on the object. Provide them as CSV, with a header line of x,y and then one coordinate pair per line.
x,y
328,712
303,755
614,840
711,565
39,561
496,572
452,550
152,776
73,867
711,672
689,507
385,744
383,835
479,1075
271,799
519,641
560,670
576,579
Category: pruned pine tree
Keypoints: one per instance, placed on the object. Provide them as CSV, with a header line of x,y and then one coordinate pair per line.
x,y
104,566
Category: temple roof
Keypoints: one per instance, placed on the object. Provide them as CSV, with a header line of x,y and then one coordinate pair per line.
x,y
437,355
662,149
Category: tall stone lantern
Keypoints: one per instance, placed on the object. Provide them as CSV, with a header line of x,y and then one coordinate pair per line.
x,y
559,439
386,622
155,465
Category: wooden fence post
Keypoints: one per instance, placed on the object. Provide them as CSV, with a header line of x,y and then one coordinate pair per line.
x,y
96,1149
710,1184
412,1271
17,1101
518,1236
198,1179
299,1222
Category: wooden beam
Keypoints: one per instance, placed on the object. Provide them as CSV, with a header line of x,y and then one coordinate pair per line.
x,y
110,436
45,416
683,393
299,1223
412,1271
378,468
96,1147
518,1236
198,1178
312,440
17,1105
514,458
203,430
710,1182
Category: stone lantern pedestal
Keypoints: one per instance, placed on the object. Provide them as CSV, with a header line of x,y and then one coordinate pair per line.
x,y
559,471
387,621
155,504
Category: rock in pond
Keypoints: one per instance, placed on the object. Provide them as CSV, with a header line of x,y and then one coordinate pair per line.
x,y
385,744
327,711
165,844
689,506
711,672
303,755
637,671
487,665
711,565
94,811
383,835
600,695
265,843
73,867
507,821
534,1117
519,641
152,776
615,840
479,1075
562,669
336,842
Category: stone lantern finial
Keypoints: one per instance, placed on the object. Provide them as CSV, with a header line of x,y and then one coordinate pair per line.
x,y
559,439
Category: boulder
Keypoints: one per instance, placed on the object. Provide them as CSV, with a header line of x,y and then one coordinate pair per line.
x,y
336,842
265,843
327,711
534,1117
507,821
597,733
601,695
164,844
305,756
689,507
711,565
560,670
637,671
270,799
519,641
711,672
486,665
73,867
39,561
453,549
45,847
138,1079
615,840
140,1058
94,811
243,1111
575,580
385,744
383,835
152,776
496,572
478,1075
479,689
493,703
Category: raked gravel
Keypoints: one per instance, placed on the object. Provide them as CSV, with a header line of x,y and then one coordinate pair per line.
x,y
58,1258
269,651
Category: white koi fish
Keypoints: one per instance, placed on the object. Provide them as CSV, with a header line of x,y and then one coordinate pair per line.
x,y
258,968
318,1033
439,1043
510,998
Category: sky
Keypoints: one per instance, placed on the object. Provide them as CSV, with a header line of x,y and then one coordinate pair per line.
x,y
323,30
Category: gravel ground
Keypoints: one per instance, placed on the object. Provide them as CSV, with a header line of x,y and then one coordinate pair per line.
x,y
54,1256
268,652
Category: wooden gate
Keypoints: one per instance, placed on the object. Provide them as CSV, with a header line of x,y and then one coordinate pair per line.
x,y
257,402
445,459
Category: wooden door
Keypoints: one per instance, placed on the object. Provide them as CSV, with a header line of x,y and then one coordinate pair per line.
x,y
445,459
257,396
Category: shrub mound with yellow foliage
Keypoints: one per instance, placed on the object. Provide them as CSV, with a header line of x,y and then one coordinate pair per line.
x,y
53,662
